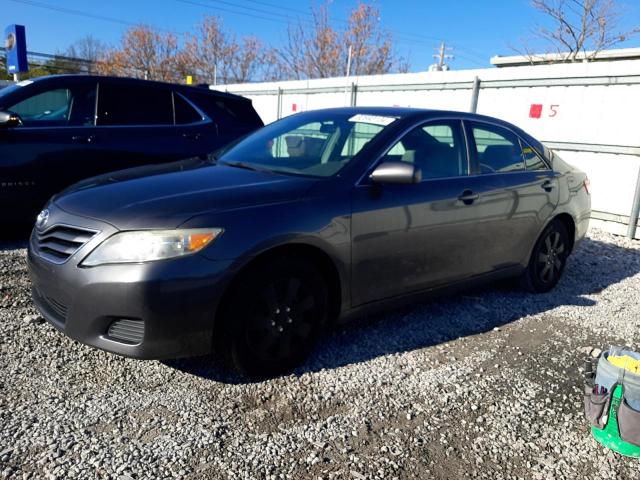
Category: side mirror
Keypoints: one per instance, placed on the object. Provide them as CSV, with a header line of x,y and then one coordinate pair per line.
x,y
396,172
8,119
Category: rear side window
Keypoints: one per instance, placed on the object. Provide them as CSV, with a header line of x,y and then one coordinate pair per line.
x,y
185,113
134,105
498,150
531,159
225,110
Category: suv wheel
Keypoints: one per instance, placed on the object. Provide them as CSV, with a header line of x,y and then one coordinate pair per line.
x,y
548,259
274,317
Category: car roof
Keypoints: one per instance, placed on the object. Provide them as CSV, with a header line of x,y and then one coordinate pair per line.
x,y
410,113
79,78
406,112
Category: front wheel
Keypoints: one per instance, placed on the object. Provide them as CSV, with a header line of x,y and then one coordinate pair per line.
x,y
548,259
274,317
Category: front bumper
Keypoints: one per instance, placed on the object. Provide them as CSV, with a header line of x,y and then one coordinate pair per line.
x,y
173,300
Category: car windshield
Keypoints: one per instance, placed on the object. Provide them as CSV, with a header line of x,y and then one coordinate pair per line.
x,y
315,144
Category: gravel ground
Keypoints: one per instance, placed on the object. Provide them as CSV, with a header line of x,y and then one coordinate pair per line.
x,y
480,385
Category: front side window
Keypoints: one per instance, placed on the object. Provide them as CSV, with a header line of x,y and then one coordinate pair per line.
x,y
134,105
498,150
316,144
437,149
47,108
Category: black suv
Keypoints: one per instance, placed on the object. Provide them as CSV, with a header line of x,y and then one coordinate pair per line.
x,y
57,130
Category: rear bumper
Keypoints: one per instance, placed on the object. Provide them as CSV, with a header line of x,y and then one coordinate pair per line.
x,y
582,227
173,301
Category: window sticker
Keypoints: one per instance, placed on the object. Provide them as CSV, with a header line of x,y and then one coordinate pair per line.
x,y
373,119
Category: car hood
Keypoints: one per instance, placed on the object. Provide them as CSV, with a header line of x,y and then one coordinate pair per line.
x,y
165,196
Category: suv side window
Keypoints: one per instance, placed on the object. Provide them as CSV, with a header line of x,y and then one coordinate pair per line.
x,y
436,148
185,113
134,105
497,149
50,108
59,107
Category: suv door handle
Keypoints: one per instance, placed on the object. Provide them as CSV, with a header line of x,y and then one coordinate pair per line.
x,y
191,136
548,185
83,138
468,197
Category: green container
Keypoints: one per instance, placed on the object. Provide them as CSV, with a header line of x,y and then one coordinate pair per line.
x,y
609,436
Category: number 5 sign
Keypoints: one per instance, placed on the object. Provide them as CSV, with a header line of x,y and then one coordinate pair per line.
x,y
535,111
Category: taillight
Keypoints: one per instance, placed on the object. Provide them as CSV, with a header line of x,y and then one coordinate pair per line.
x,y
586,185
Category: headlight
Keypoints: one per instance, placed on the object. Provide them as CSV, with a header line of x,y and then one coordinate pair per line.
x,y
150,245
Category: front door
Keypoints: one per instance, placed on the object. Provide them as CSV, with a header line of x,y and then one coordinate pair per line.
x,y
48,151
407,238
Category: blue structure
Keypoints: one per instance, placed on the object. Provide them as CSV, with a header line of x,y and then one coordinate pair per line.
x,y
15,41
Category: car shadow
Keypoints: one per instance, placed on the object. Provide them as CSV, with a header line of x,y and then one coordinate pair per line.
x,y
593,267
15,235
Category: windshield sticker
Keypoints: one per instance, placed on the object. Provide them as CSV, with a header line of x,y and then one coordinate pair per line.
x,y
24,83
373,119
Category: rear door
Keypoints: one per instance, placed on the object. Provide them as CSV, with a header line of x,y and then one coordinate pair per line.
x,y
525,190
136,126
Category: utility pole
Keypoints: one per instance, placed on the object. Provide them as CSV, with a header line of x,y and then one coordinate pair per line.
x,y
441,57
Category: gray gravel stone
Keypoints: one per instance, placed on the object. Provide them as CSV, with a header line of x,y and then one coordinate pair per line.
x,y
482,385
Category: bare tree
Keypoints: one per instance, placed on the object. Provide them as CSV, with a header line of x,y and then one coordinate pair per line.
x,y
214,55
208,54
87,48
143,53
371,46
320,51
586,26
249,60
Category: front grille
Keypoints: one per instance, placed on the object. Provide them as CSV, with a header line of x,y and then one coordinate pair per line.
x,y
60,242
127,330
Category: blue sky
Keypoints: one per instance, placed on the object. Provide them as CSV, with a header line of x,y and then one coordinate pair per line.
x,y
476,29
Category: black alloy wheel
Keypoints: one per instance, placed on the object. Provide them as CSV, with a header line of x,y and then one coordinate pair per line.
x,y
275,315
548,259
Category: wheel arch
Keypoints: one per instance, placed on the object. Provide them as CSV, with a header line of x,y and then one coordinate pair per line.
x,y
336,283
570,224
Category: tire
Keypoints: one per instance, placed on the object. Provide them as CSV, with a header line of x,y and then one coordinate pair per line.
x,y
548,259
275,314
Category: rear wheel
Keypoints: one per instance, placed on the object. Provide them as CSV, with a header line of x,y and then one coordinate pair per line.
x,y
548,259
274,317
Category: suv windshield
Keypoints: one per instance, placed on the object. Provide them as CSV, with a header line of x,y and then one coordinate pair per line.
x,y
318,144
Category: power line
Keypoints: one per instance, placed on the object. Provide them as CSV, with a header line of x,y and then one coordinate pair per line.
x,y
276,18
82,13
406,38
414,38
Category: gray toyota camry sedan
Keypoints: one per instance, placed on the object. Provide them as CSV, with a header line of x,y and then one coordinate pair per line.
x,y
255,250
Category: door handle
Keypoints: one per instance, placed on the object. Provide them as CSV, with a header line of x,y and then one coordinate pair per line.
x,y
468,197
83,138
548,185
191,136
